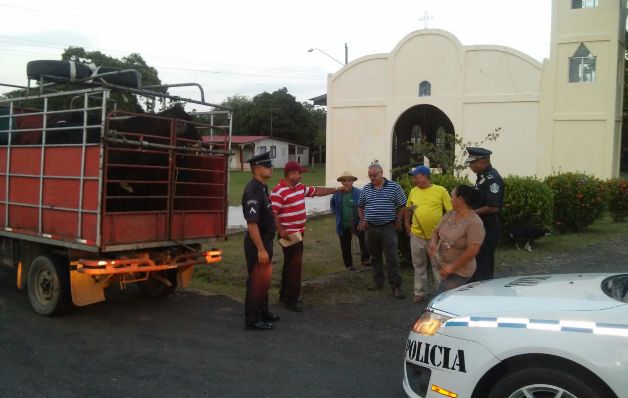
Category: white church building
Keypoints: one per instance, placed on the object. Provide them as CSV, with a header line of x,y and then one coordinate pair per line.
x,y
563,114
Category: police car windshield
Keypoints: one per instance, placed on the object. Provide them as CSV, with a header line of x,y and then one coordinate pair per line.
x,y
616,287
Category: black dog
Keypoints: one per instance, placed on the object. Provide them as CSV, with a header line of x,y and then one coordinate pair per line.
x,y
526,234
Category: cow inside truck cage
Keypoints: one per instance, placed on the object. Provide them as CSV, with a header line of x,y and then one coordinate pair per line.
x,y
105,195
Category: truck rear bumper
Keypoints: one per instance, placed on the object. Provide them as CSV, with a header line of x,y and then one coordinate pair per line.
x,y
144,263
88,278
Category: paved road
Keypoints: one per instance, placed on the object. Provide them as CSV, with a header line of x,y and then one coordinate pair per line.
x,y
195,345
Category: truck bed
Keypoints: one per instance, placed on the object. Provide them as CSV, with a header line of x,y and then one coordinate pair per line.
x,y
121,189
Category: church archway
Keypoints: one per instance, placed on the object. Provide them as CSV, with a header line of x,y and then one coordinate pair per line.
x,y
421,124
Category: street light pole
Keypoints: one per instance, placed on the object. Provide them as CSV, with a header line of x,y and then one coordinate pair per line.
x,y
346,54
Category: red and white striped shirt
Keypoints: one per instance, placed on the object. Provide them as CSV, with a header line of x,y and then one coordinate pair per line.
x,y
289,205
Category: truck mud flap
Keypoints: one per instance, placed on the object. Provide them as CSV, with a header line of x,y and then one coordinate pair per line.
x,y
85,289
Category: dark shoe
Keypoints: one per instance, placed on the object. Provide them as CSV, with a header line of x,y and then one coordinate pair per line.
x,y
351,269
366,263
261,325
376,288
398,293
270,317
295,306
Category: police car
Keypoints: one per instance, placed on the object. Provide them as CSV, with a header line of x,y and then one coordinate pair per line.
x,y
534,336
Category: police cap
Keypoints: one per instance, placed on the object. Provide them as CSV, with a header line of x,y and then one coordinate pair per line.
x,y
262,159
477,153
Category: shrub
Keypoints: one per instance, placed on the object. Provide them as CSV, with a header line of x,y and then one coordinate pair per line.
x,y
527,201
579,200
617,198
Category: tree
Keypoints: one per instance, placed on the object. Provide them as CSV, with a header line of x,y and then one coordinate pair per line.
x,y
444,155
150,76
277,114
125,102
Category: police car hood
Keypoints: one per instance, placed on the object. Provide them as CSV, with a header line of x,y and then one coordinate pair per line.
x,y
528,294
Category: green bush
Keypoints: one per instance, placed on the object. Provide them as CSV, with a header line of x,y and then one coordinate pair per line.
x,y
527,201
617,198
579,200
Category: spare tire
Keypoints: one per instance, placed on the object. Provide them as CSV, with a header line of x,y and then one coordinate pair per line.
x,y
132,79
59,71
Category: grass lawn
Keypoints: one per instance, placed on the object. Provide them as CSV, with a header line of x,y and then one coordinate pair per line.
x,y
322,261
238,180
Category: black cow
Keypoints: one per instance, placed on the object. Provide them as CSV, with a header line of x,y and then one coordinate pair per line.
x,y
139,175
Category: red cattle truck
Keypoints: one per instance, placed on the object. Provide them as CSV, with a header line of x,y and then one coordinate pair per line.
x,y
91,196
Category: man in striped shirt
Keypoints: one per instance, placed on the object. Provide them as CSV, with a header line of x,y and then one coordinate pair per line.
x,y
288,203
381,210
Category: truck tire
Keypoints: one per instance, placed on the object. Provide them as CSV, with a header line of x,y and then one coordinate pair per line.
x,y
155,287
543,382
48,285
63,70
129,79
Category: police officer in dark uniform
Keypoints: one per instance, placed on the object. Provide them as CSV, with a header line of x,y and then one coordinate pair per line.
x,y
258,244
489,200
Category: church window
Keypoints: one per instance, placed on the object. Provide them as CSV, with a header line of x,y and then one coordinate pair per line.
x,y
415,136
415,139
261,149
582,65
440,137
583,3
425,89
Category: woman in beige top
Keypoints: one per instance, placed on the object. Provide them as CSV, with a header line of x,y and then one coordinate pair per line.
x,y
457,240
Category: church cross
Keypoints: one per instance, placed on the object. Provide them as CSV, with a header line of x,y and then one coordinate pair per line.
x,y
426,18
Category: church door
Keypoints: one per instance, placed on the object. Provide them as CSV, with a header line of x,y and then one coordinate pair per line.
x,y
423,131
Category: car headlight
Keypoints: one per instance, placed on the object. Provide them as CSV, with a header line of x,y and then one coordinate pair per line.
x,y
429,323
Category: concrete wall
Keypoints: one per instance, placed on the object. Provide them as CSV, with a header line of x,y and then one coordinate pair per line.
x,y
580,123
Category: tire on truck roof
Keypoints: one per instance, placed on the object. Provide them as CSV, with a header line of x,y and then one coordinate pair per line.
x,y
129,79
61,71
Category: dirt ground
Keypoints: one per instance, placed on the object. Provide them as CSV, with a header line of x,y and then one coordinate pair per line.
x,y
193,344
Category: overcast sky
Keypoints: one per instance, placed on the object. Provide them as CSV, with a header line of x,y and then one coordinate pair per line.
x,y
247,46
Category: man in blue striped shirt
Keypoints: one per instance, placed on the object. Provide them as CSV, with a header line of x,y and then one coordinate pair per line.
x,y
380,208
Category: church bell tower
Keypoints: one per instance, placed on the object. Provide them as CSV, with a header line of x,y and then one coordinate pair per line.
x,y
582,89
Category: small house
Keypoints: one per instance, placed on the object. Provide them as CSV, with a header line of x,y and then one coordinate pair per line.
x,y
246,146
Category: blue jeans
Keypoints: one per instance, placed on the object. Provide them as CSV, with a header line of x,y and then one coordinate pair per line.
x,y
451,282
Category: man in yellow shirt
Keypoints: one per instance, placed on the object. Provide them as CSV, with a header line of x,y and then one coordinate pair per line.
x,y
426,205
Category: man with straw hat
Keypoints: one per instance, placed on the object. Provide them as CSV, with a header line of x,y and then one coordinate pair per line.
x,y
343,205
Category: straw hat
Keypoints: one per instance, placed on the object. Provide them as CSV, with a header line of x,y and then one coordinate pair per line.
x,y
346,174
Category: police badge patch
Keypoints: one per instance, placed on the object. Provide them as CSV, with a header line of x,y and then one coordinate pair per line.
x,y
494,187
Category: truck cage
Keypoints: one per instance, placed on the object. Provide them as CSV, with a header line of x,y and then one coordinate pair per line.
x,y
95,186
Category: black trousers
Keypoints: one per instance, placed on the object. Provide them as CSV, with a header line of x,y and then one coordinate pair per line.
x,y
290,290
382,241
485,259
258,282
345,245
